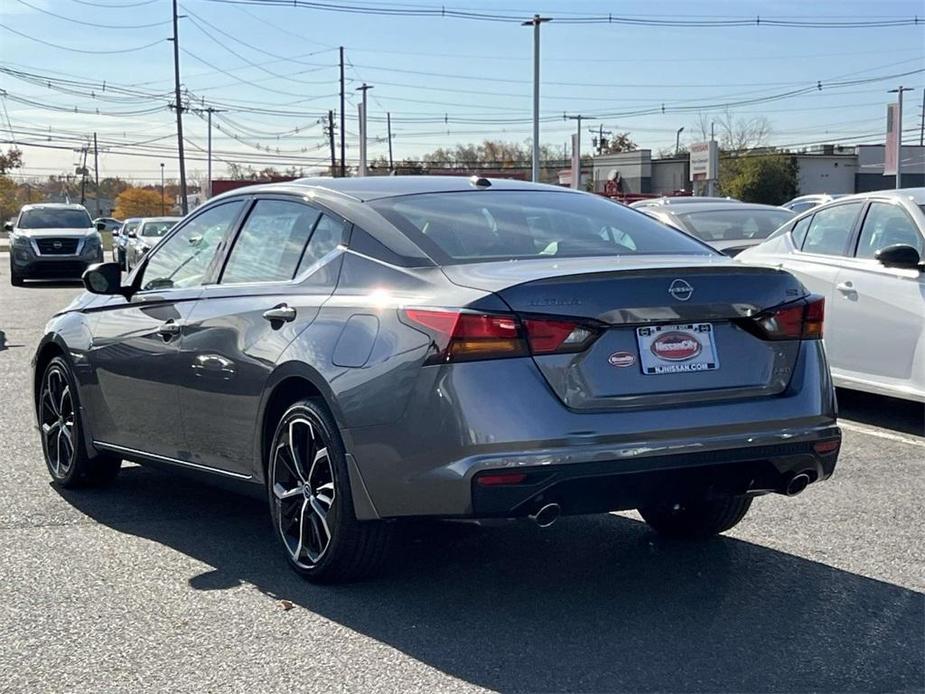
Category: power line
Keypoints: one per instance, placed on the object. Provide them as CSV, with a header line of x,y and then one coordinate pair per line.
x,y
81,50
95,25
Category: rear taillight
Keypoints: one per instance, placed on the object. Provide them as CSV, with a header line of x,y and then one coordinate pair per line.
x,y
800,320
465,336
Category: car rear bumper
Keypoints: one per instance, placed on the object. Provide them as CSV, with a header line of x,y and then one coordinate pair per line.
x,y
472,419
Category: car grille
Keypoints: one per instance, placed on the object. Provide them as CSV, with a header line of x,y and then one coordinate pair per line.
x,y
57,246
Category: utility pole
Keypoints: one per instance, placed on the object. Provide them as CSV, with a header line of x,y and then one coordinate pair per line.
x,y
209,111
331,139
388,123
184,208
576,152
922,128
535,23
365,88
711,184
83,177
96,174
343,129
162,189
677,140
899,132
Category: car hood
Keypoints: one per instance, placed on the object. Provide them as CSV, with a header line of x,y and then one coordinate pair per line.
x,y
57,233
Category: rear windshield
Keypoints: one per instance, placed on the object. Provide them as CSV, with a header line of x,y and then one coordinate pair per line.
x,y
51,218
502,225
156,228
734,225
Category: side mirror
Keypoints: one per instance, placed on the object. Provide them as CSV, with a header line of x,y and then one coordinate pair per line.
x,y
101,226
115,232
899,256
104,278
8,226
132,235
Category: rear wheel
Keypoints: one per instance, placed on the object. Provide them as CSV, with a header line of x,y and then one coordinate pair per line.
x,y
310,501
697,519
62,433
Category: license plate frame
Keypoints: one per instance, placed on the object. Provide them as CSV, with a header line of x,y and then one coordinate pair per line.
x,y
677,348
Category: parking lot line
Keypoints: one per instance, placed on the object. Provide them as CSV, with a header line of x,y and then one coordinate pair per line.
x,y
872,431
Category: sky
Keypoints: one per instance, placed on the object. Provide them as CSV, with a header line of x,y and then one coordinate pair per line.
x,y
69,68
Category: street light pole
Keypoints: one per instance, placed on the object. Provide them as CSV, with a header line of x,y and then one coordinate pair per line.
x,y
362,168
535,23
677,140
898,125
576,154
162,189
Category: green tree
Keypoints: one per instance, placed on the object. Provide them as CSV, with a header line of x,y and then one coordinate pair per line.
x,y
771,179
12,159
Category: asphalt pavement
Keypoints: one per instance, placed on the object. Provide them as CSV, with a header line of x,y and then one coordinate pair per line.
x,y
161,583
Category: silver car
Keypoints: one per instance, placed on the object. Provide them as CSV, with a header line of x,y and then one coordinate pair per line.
x,y
144,236
366,350
52,241
120,239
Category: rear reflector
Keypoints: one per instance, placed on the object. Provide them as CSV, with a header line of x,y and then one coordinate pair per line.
x,y
795,321
826,447
464,336
501,478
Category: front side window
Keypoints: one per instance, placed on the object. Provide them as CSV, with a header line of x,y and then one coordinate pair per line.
x,y
54,218
183,259
734,225
504,225
887,225
271,243
830,229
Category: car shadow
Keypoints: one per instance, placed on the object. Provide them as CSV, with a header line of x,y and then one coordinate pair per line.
x,y
898,415
592,604
52,284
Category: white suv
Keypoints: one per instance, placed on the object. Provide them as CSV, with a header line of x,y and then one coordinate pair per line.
x,y
52,241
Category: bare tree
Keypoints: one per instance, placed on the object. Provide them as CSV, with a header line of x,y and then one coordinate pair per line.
x,y
735,134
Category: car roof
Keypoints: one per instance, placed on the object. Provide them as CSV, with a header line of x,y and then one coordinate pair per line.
x,y
916,195
53,206
681,208
364,188
155,219
673,200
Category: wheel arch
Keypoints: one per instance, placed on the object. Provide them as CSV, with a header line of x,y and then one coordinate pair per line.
x,y
51,346
289,382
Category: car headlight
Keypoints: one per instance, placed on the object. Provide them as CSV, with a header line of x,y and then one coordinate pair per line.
x,y
92,245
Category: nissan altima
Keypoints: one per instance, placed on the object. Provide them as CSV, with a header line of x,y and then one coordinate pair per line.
x,y
372,349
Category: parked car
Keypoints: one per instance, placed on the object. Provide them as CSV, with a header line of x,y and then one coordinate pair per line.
x,y
678,200
371,349
52,241
807,202
729,226
141,239
864,254
109,224
120,239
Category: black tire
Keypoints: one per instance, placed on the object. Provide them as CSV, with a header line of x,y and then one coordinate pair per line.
x,y
62,433
697,519
15,278
311,506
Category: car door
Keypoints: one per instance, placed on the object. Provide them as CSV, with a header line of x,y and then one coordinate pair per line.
x,y
282,267
877,314
136,343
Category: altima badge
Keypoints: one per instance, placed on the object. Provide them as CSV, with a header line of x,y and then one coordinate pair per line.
x,y
681,290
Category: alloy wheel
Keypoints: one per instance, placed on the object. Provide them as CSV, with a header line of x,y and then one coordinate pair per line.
x,y
58,422
302,484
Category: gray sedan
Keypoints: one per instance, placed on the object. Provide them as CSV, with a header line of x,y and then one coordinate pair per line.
x,y
729,226
364,350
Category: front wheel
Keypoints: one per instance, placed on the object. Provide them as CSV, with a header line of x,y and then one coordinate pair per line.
x,y
696,519
310,502
15,278
62,434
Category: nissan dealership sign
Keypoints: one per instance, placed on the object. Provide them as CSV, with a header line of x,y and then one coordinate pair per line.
x,y
704,161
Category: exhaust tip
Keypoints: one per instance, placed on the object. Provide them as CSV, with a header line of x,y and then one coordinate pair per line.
x,y
797,484
546,515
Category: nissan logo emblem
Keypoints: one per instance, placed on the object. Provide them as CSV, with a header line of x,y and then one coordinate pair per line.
x,y
681,290
56,245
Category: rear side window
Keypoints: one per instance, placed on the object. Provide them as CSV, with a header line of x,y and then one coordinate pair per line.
x,y
830,229
799,231
887,225
328,235
502,225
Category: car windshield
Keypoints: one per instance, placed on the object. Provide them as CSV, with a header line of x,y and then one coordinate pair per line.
x,y
156,228
734,225
54,218
505,225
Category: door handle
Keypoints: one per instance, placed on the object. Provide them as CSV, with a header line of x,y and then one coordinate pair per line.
x,y
846,288
281,313
169,329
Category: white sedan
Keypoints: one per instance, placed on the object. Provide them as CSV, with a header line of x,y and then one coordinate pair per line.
x,y
863,253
